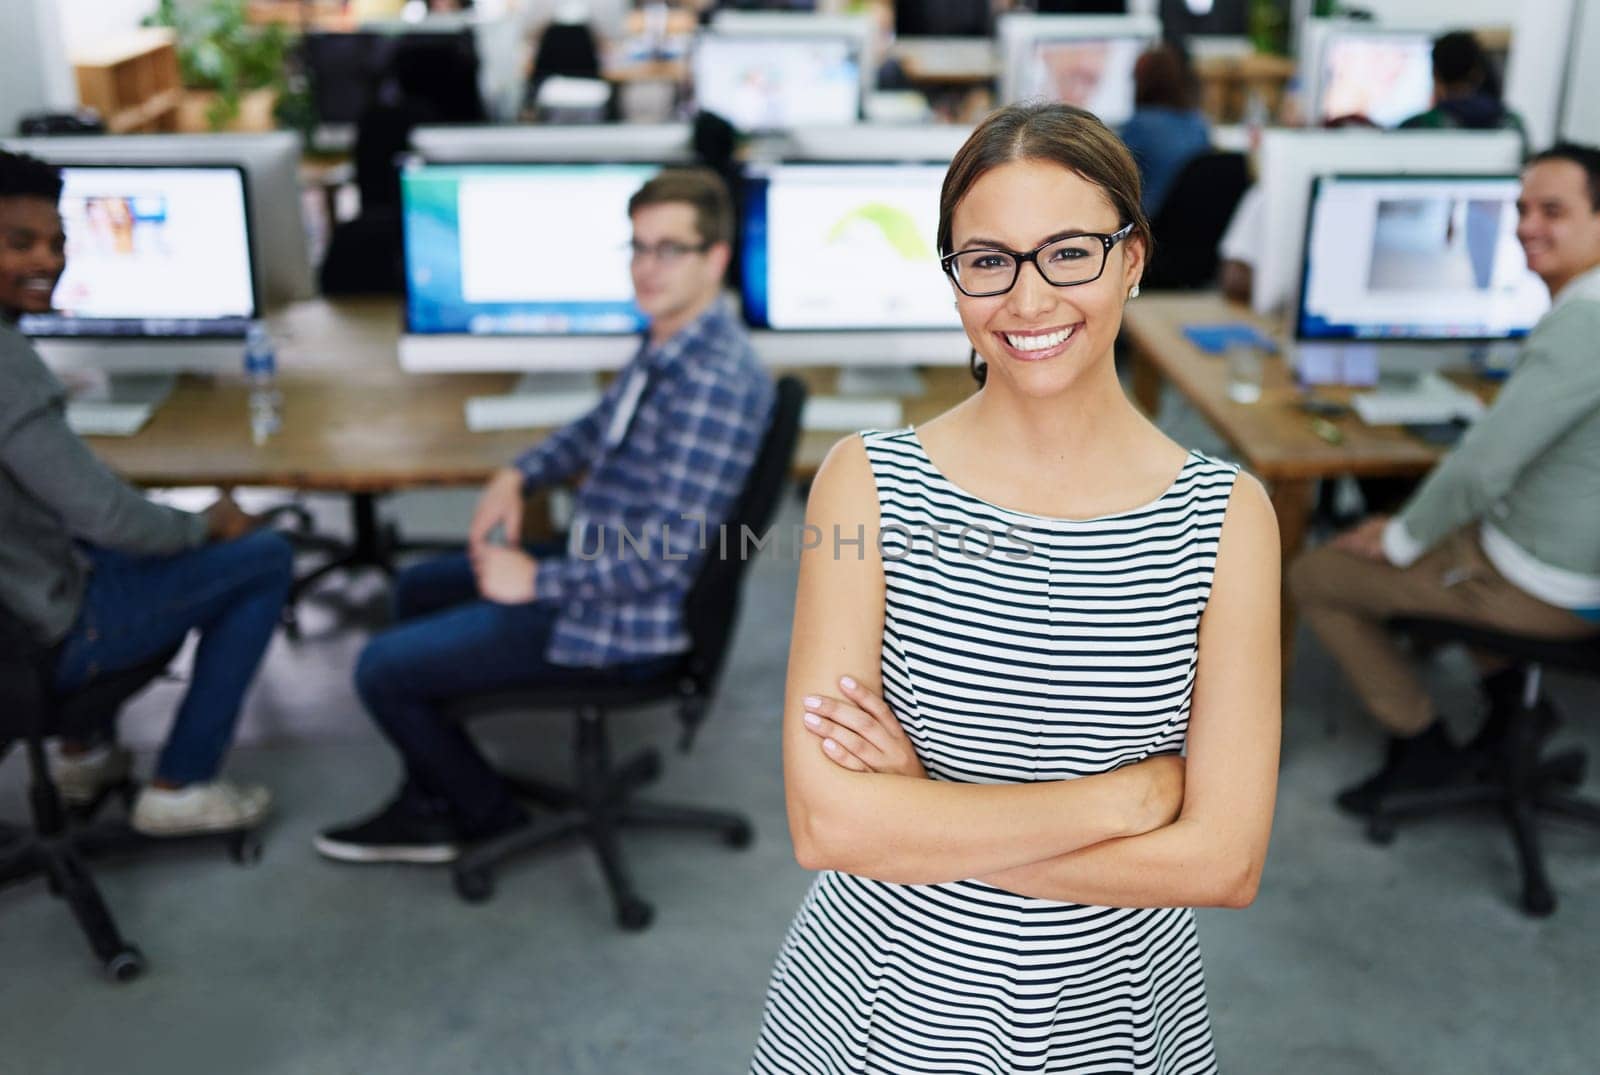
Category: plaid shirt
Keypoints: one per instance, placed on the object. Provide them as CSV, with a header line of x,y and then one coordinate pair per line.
x,y
651,502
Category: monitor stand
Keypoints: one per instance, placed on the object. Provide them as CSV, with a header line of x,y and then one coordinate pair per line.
x,y
902,381
116,404
544,400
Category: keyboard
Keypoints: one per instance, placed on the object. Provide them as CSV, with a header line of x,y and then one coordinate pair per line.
x,y
846,415
102,418
544,410
1431,401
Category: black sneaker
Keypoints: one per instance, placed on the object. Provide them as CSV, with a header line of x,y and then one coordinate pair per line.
x,y
398,833
1429,760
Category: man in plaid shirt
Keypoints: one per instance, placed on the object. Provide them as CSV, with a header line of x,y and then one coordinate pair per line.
x,y
665,453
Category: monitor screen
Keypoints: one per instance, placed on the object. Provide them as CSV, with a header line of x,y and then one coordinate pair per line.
x,y
520,249
152,251
769,84
941,18
1386,77
844,246
1418,258
1095,73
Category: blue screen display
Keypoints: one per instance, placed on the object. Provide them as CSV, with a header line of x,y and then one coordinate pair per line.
x,y
519,249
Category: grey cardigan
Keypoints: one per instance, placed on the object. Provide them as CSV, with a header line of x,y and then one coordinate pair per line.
x,y
1530,467
54,493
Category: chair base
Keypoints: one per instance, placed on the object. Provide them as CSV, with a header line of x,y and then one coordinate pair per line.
x,y
1544,786
60,861
597,807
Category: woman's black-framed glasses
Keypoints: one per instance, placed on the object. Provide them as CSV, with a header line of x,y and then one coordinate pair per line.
x,y
1064,262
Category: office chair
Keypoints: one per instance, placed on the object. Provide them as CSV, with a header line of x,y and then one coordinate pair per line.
x,y
55,846
1521,783
29,711
1189,224
601,800
567,49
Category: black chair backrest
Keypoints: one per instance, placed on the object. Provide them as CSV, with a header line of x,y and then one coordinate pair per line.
x,y
713,600
1189,225
29,704
22,658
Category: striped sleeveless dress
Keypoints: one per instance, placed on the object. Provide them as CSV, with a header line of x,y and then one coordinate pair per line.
x,y
1016,647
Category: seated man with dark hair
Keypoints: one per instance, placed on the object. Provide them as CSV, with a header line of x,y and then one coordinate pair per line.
x,y
1465,96
665,454
1505,532
113,579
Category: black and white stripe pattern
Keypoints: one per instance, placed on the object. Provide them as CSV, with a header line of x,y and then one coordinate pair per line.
x,y
1015,647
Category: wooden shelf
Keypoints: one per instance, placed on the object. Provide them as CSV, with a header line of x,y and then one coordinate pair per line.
x,y
132,80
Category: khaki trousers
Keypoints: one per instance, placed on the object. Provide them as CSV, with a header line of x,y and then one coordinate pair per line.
x,y
1346,599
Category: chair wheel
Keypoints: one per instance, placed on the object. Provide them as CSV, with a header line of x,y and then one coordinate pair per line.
x,y
245,849
1380,831
633,914
739,836
474,886
1570,770
125,965
1538,901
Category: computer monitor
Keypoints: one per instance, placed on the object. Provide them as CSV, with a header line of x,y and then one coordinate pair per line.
x,y
840,262
942,18
1290,159
346,67
1384,75
158,275
271,162
519,266
875,142
1416,258
555,143
1085,61
861,30
772,83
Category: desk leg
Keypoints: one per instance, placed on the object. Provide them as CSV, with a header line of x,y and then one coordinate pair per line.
x,y
1291,502
1146,384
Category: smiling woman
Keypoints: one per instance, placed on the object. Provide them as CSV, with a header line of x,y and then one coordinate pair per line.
x,y
1017,767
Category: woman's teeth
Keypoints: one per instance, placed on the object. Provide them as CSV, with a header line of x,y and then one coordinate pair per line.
x,y
1039,343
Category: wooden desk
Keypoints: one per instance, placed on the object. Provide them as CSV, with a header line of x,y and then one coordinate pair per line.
x,y
354,422
1273,438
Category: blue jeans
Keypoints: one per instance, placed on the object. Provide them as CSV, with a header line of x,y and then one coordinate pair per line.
x,y
134,607
448,642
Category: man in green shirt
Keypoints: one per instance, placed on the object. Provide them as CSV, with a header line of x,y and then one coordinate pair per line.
x,y
1505,532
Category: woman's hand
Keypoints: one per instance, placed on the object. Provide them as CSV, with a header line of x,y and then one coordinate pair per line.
x,y
860,732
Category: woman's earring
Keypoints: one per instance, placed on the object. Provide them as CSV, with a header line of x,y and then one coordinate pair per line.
x,y
1133,292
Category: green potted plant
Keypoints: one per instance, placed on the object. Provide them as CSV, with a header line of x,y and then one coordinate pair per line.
x,y
234,70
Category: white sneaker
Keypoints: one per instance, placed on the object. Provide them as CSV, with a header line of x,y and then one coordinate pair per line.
x,y
81,777
213,807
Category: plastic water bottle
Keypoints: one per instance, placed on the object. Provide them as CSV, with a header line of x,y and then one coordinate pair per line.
x,y
261,374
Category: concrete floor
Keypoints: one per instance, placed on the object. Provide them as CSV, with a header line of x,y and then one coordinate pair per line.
x,y
1355,960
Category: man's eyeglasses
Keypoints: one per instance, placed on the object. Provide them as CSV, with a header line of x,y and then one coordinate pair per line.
x,y
1065,262
667,251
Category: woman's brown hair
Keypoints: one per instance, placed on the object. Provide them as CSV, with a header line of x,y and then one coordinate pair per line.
x,y
1058,133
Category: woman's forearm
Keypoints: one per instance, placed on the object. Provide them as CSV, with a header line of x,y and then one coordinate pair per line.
x,y
1185,864
919,831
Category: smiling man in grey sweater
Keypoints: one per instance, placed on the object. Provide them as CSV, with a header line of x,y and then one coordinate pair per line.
x,y
108,578
1505,532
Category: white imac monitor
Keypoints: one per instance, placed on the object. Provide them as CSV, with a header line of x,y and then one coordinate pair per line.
x,y
875,142
840,265
1384,75
519,266
644,142
769,84
1291,159
158,276
271,163
1416,258
1081,60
